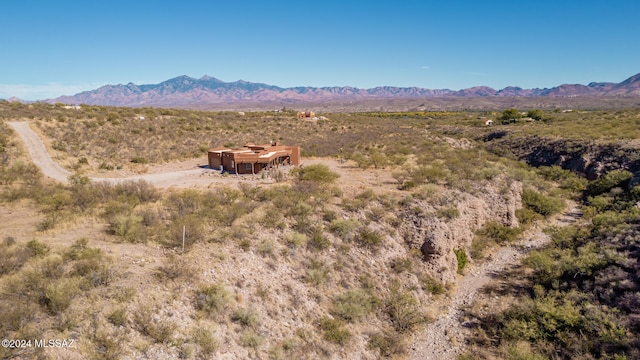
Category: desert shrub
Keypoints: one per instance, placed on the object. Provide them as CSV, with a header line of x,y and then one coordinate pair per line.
x,y
249,338
285,349
402,264
124,294
203,336
498,233
615,178
95,272
59,294
147,322
317,240
79,250
431,285
369,239
118,317
318,173
343,228
486,173
387,343
38,248
125,225
461,256
13,257
191,226
527,216
448,212
433,173
212,299
245,316
295,239
353,304
227,214
317,273
184,203
541,204
376,213
403,309
176,267
333,330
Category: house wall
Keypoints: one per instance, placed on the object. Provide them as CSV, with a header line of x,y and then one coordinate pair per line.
x,y
295,154
232,160
215,160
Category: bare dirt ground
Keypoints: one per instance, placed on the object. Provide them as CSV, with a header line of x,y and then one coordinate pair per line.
x,y
444,338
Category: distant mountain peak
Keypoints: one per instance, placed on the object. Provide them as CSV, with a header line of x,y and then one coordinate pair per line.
x,y
185,91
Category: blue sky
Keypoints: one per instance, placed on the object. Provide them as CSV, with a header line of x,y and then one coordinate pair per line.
x,y
50,48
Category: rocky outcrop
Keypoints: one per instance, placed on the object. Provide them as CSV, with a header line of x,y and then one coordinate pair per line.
x,y
438,236
587,158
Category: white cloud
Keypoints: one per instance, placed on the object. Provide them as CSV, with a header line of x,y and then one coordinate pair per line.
x,y
41,92
425,67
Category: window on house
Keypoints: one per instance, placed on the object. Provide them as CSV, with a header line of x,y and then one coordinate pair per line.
x,y
247,166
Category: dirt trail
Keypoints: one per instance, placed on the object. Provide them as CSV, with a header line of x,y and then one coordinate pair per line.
x,y
39,153
444,338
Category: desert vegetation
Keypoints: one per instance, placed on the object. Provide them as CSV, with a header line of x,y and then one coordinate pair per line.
x,y
317,265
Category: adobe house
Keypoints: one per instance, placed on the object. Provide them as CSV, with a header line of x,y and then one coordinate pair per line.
x,y
251,159
306,115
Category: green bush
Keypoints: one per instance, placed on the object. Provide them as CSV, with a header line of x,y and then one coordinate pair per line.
x,y
353,304
203,336
245,316
38,248
448,212
403,309
615,178
333,330
59,294
148,323
249,338
212,299
318,173
369,239
317,273
118,317
387,343
498,233
541,204
461,256
343,228
431,285
295,239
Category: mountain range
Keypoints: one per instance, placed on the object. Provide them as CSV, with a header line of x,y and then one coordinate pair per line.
x,y
184,91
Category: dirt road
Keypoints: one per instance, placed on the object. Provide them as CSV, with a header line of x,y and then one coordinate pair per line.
x,y
50,168
444,338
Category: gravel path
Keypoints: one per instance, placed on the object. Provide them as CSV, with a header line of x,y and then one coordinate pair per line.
x,y
444,338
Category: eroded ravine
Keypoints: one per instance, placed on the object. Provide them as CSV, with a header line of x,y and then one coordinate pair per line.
x,y
443,339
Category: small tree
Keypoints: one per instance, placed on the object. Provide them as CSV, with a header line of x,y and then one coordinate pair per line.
x,y
535,114
512,113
